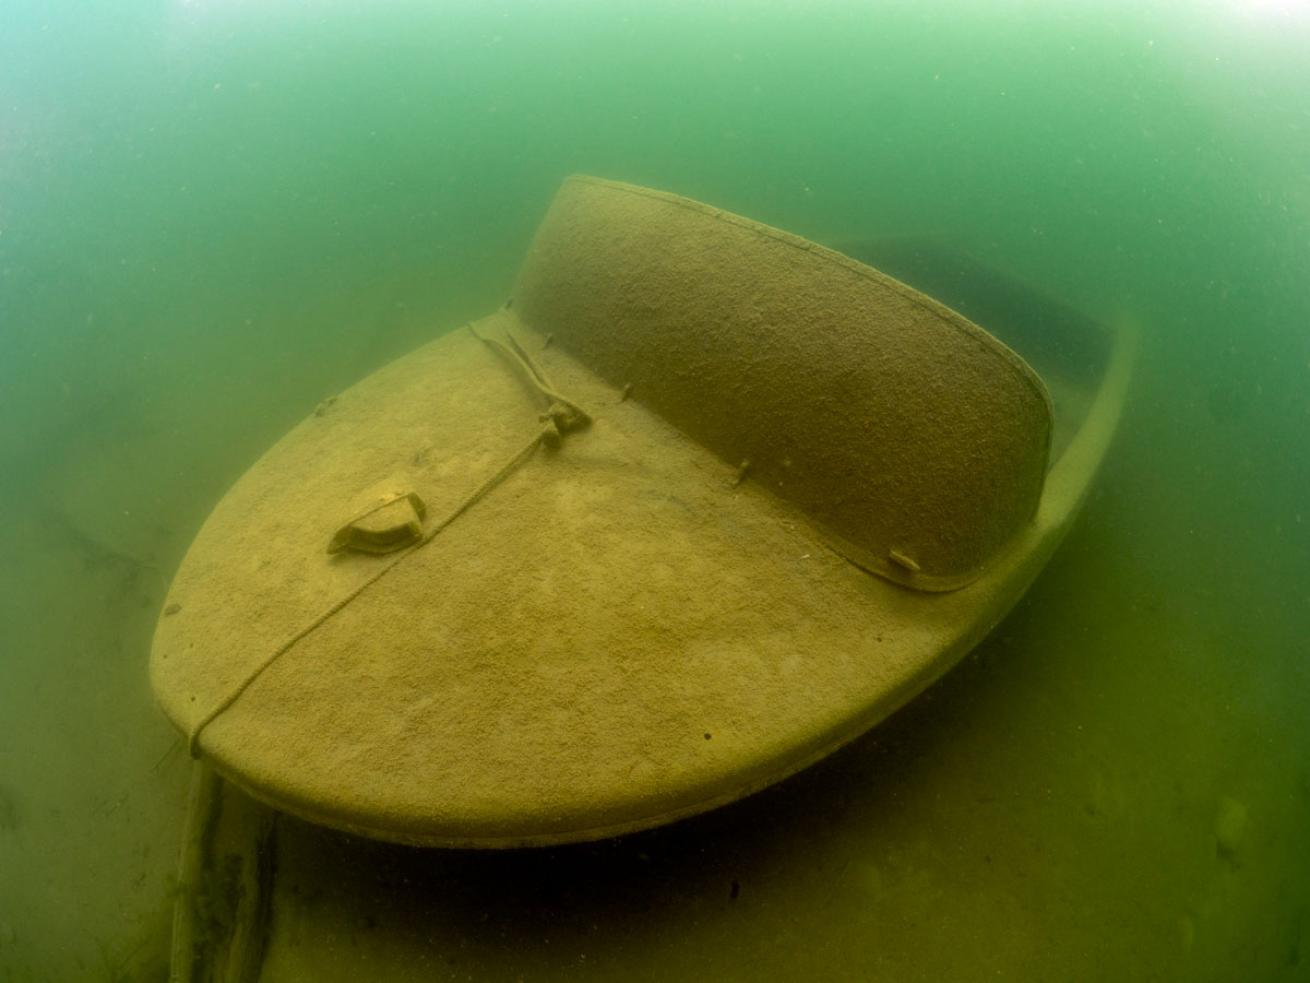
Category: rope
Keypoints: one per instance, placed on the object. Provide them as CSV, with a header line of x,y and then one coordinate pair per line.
x,y
561,416
568,415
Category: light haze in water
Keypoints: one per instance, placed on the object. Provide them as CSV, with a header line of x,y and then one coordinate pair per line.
x,y
213,215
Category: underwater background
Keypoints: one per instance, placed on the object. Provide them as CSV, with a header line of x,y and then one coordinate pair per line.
x,y
215,214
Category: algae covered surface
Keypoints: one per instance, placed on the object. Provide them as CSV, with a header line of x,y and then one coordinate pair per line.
x,y
213,216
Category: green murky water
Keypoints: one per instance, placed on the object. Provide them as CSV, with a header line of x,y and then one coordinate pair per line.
x,y
214,214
